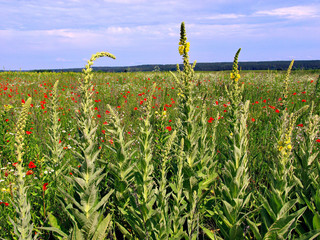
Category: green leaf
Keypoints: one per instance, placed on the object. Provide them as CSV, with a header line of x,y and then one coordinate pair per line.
x,y
310,235
316,221
210,234
254,228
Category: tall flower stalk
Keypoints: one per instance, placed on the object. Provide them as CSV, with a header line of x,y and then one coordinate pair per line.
x,y
90,221
22,223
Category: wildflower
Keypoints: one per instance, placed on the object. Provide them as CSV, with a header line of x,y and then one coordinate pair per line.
x,y
31,165
29,172
303,100
28,132
210,120
300,125
318,140
277,111
169,128
44,187
98,116
253,120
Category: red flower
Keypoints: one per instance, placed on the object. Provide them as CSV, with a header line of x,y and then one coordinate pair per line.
x,y
29,172
31,165
210,120
135,108
252,119
318,140
7,120
277,111
15,164
44,187
6,204
294,93
169,128
99,116
300,125
70,173
28,132
303,100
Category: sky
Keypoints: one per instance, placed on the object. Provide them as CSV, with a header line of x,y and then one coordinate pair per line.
x,y
47,34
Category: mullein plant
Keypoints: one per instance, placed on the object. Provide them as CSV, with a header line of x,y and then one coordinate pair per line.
x,y
86,207
285,93
22,221
121,169
279,214
198,166
307,171
142,212
232,198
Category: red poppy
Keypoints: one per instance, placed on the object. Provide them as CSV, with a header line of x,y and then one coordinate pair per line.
x,y
44,187
303,100
99,116
28,132
210,120
29,172
252,119
15,164
277,111
5,203
300,125
31,165
135,108
169,128
318,140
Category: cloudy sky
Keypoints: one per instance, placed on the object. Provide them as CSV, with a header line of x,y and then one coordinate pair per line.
x,y
63,34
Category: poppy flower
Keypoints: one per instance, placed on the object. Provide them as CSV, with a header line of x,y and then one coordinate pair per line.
x,y
300,125
318,140
28,132
303,100
210,120
31,165
253,120
277,111
29,172
44,187
169,128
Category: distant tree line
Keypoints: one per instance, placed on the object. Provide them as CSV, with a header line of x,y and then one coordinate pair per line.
x,y
218,66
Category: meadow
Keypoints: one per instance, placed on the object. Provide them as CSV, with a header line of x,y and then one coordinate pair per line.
x,y
160,155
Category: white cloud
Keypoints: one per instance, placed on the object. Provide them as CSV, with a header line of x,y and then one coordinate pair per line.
x,y
225,16
295,12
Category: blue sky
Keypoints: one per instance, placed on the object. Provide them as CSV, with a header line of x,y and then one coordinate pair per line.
x,y
63,34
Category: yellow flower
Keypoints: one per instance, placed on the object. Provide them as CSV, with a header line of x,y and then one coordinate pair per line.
x,y
181,48
289,147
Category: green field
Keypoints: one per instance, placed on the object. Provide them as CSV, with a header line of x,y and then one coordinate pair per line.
x,y
159,155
